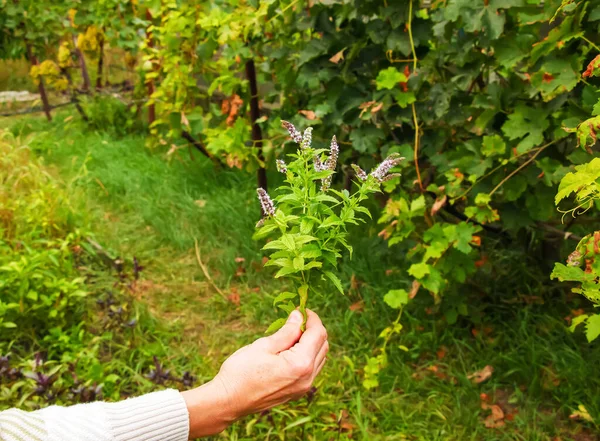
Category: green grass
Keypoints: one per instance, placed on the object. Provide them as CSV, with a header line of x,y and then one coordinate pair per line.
x,y
146,204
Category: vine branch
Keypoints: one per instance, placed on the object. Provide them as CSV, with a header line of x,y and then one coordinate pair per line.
x,y
414,110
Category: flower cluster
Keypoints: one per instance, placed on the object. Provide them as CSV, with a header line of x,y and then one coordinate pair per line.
x,y
381,173
281,166
306,138
331,163
267,205
295,134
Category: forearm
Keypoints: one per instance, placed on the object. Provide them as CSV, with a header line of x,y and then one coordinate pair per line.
x,y
160,416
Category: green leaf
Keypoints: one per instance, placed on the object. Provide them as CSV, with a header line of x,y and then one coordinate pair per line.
x,y
282,297
274,245
577,321
288,241
586,174
310,251
335,280
592,327
395,298
275,326
419,270
528,123
299,263
303,238
493,145
285,271
389,78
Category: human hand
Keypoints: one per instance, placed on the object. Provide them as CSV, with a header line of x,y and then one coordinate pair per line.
x,y
264,374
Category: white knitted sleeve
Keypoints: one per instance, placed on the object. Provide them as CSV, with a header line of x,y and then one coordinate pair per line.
x,y
159,416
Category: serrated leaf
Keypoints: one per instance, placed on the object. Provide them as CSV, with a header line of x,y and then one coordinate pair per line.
x,y
288,242
274,245
298,263
584,175
282,297
335,280
285,271
419,270
275,326
592,327
395,298
493,145
389,78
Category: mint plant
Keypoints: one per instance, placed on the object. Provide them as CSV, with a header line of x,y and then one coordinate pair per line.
x,y
309,219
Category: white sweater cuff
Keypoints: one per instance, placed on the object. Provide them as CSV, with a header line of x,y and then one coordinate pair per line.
x,y
159,416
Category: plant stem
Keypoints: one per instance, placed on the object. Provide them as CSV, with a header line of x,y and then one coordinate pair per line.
x,y
414,110
521,167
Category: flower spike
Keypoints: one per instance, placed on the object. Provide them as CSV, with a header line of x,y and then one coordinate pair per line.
x,y
294,133
281,166
267,205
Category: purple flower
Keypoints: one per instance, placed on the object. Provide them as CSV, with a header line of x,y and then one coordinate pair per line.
x,y
360,173
306,138
333,157
295,134
319,166
268,208
281,166
384,168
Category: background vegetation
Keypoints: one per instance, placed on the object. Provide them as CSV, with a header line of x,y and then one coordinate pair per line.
x,y
168,108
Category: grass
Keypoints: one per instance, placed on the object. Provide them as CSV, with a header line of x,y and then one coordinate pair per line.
x,y
146,204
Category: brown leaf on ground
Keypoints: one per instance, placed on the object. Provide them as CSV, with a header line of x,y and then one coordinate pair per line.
x,y
200,203
496,418
234,297
357,306
239,260
337,57
441,352
581,414
481,375
309,114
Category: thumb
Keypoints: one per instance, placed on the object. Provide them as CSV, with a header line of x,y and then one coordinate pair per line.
x,y
288,335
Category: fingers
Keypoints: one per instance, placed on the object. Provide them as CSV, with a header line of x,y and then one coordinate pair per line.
x,y
320,358
320,367
313,338
286,337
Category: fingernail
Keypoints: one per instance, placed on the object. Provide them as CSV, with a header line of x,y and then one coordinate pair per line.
x,y
295,317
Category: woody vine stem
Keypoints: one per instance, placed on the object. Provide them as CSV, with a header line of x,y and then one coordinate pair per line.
x,y
414,111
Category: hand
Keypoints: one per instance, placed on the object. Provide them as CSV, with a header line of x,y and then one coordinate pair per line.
x,y
269,372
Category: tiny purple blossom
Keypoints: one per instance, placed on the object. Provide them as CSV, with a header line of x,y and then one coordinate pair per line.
x,y
294,133
319,166
268,208
333,157
306,138
360,173
281,166
384,168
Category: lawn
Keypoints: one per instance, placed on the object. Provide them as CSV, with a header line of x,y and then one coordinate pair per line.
x,y
516,373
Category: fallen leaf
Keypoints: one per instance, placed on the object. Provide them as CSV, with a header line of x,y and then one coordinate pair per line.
x,y
441,352
476,240
309,114
357,306
496,418
581,414
482,375
200,203
234,298
337,57
239,260
438,204
265,259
